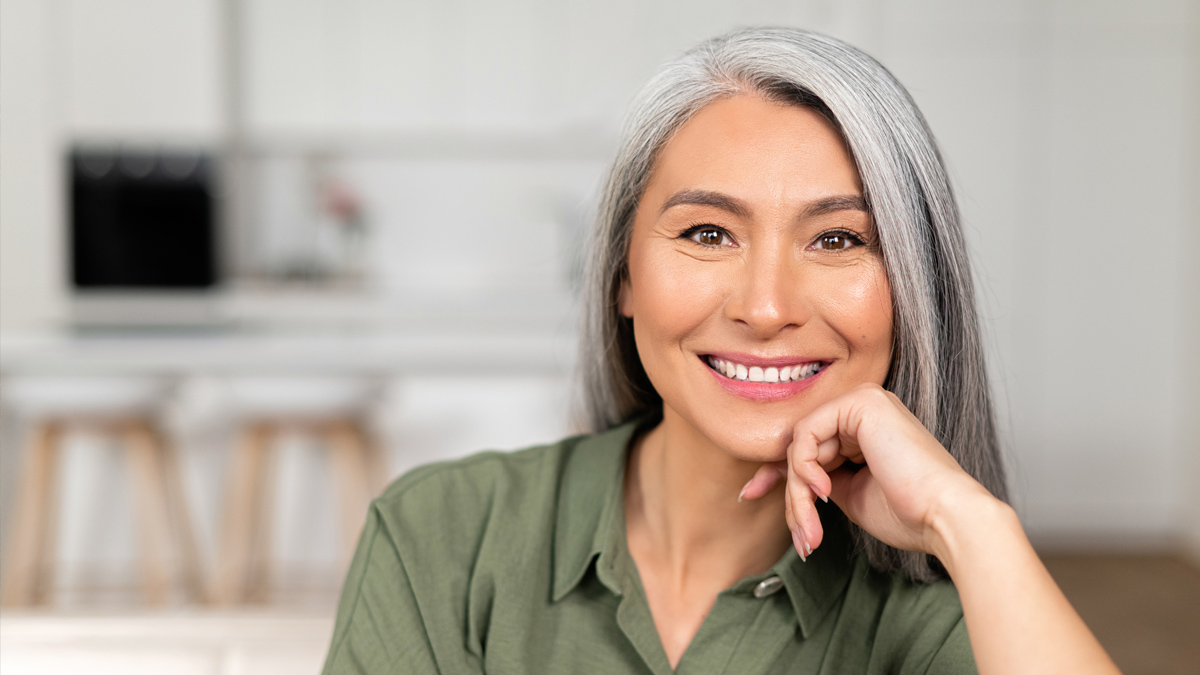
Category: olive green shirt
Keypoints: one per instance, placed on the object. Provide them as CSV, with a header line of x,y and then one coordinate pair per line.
x,y
517,563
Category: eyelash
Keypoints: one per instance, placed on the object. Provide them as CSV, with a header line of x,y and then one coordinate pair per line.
x,y
692,231
696,229
845,234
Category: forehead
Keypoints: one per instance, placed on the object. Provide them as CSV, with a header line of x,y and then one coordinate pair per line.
x,y
756,150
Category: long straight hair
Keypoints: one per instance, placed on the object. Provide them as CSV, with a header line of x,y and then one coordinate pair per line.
x,y
938,366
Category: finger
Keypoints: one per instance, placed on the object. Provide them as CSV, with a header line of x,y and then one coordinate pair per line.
x,y
810,458
807,533
829,453
787,511
826,438
764,480
799,538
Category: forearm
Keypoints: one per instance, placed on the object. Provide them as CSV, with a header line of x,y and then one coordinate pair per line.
x,y
1017,618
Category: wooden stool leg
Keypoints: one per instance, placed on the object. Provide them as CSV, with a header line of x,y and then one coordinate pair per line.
x,y
377,467
260,557
43,588
153,521
240,518
180,516
349,461
31,534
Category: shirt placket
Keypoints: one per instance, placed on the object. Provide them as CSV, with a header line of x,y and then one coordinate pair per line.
x,y
755,611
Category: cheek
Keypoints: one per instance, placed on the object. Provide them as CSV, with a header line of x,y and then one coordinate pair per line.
x,y
859,306
668,297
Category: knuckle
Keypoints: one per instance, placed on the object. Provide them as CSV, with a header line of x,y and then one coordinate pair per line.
x,y
875,394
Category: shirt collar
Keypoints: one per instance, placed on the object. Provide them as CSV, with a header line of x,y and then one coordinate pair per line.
x,y
589,502
590,527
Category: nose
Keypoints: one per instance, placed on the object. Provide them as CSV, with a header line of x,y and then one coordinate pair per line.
x,y
768,296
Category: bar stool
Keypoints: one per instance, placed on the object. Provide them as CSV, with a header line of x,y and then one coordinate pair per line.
x,y
122,408
332,410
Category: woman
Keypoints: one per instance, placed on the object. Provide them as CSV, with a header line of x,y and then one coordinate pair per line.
x,y
794,442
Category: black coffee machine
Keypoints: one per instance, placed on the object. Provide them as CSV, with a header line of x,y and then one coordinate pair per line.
x,y
142,220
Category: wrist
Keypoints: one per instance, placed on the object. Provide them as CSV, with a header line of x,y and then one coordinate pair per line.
x,y
966,520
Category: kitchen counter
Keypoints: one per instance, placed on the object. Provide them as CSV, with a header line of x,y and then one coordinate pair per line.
x,y
481,350
277,332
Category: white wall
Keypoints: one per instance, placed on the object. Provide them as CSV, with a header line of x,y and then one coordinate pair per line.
x,y
1061,124
31,263
141,70
1190,311
534,66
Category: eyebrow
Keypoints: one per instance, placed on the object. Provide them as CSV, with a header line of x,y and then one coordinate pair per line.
x,y
707,198
737,208
838,203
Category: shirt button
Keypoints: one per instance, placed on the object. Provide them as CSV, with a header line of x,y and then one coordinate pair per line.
x,y
767,587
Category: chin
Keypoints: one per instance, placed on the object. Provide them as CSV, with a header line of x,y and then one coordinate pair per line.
x,y
757,442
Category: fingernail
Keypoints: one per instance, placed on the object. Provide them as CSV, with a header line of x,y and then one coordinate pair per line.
x,y
801,547
817,493
744,488
805,538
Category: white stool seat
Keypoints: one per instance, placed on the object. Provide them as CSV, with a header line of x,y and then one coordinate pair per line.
x,y
299,396
45,395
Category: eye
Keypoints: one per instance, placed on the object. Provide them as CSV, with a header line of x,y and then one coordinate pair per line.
x,y
837,241
708,235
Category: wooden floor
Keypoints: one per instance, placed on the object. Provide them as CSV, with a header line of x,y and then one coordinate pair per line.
x,y
1145,610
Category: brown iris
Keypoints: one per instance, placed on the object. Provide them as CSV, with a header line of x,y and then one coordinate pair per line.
x,y
834,242
709,237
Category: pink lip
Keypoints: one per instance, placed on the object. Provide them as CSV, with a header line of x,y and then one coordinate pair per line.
x,y
752,360
762,391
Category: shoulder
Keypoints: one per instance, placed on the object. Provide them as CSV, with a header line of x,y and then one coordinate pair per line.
x,y
457,499
485,471
918,627
432,549
922,604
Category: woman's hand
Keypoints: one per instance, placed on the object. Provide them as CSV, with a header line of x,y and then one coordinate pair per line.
x,y
908,476
911,494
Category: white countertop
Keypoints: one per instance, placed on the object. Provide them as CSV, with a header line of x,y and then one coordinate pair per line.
x,y
304,331
385,351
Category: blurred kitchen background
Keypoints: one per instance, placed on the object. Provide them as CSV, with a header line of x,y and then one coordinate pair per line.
x,y
258,257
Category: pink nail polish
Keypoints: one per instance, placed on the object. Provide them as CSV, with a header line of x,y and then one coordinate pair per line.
x,y
744,487
800,546
817,493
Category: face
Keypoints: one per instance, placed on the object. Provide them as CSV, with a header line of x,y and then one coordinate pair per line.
x,y
755,286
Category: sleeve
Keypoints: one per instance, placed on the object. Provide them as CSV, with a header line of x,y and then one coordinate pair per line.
x,y
380,627
954,657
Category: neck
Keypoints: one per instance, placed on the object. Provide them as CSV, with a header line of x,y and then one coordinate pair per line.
x,y
683,515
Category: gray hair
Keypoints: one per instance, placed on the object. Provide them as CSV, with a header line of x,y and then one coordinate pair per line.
x,y
938,366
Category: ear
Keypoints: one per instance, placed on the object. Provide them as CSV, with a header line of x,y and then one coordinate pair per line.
x,y
625,299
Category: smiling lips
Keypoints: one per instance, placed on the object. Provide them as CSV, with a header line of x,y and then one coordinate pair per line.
x,y
763,382
769,374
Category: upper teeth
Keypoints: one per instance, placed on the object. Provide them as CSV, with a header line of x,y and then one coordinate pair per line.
x,y
744,373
